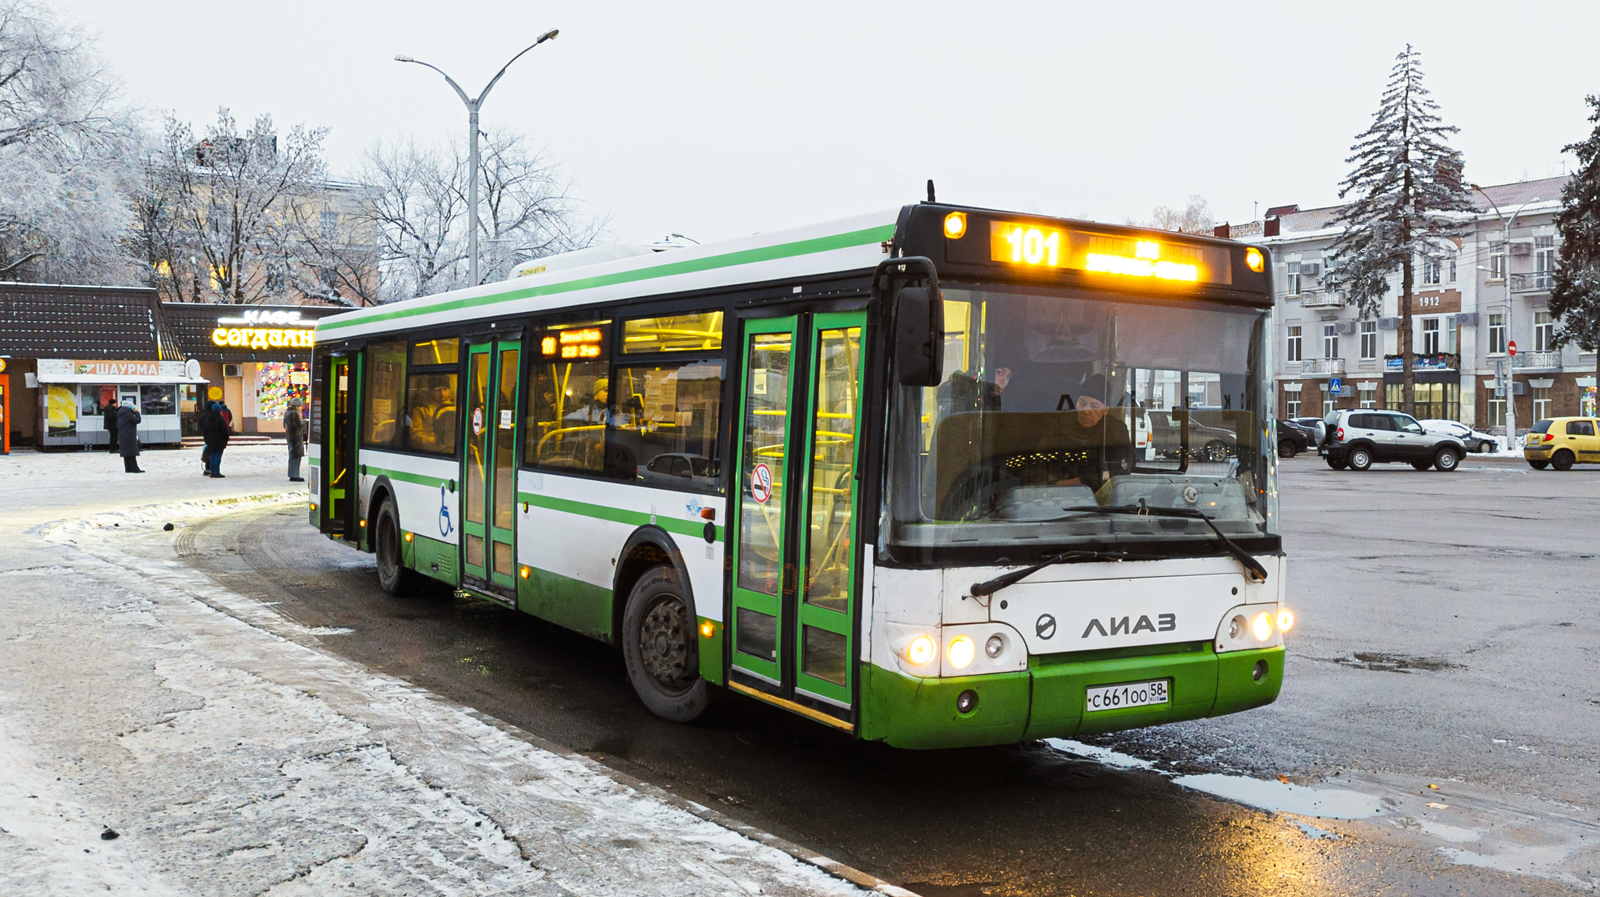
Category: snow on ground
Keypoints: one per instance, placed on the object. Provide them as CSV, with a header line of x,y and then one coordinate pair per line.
x,y
231,755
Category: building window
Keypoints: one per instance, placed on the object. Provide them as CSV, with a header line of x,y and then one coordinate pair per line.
x,y
1497,260
1432,270
330,223
1438,401
1541,402
1369,339
1369,396
1293,281
1430,336
1329,403
1294,342
1292,404
1544,261
1544,332
1497,408
1330,340
1497,334
1450,270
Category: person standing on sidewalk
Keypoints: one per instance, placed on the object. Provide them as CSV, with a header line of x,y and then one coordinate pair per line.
x,y
215,430
128,418
294,430
109,414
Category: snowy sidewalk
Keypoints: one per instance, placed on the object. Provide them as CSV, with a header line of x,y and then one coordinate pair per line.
x,y
231,755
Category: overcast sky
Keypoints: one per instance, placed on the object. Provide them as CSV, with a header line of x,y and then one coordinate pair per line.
x,y
718,119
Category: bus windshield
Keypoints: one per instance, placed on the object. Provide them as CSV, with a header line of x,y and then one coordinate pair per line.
x,y
1069,399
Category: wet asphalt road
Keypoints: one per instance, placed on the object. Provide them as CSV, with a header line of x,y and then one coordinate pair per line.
x,y
1028,819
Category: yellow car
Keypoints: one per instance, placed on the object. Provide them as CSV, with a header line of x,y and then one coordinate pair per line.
x,y
1561,442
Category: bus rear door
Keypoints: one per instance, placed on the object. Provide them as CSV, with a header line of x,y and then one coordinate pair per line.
x,y
794,613
489,469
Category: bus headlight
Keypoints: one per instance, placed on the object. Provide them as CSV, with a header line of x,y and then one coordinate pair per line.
x,y
961,652
1251,627
920,651
1261,627
994,646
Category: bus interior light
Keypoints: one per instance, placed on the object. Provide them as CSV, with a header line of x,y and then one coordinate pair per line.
x,y
1261,627
920,651
955,225
1285,619
961,652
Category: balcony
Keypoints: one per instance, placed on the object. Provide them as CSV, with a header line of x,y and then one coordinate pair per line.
x,y
1532,282
1322,367
1320,299
1536,361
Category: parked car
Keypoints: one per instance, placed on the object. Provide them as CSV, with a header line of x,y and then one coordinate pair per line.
x,y
1293,439
680,471
1316,426
1474,440
1360,438
1206,443
1561,442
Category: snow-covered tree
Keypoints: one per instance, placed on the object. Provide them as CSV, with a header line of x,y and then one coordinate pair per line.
x,y
1575,294
64,138
1193,218
1408,202
417,205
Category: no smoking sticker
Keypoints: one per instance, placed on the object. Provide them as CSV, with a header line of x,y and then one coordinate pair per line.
x,y
761,484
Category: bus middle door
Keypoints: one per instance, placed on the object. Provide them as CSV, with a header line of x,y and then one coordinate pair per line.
x,y
794,591
489,469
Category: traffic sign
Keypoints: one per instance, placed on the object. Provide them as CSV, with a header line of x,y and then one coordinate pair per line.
x,y
1334,384
1511,348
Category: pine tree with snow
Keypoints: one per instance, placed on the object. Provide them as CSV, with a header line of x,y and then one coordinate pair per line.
x,y
1409,202
1575,293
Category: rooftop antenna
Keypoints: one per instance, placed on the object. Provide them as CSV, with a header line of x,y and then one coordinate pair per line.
x,y
930,191
1255,210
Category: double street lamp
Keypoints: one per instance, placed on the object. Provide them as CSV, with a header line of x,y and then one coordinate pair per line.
x,y
473,105
1505,274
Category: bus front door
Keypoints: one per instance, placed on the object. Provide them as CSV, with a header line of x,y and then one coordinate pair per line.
x,y
337,484
795,598
489,469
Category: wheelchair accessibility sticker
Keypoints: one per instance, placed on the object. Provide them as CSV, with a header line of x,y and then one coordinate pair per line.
x,y
445,526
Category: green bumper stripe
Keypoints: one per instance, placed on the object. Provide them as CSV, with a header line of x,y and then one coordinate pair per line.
x,y
743,257
617,515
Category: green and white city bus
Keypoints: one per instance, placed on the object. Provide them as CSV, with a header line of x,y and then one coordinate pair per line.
x,y
895,473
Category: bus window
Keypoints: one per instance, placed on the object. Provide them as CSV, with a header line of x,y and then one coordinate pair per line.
x,y
438,351
386,377
431,413
694,332
659,410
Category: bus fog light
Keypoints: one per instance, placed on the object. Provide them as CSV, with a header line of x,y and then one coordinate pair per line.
x,y
1260,671
994,646
967,701
961,652
1236,627
1285,620
1261,627
920,651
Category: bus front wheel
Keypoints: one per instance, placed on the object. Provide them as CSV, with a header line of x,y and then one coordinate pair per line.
x,y
660,650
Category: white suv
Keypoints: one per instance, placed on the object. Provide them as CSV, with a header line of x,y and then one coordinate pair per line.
x,y
1358,438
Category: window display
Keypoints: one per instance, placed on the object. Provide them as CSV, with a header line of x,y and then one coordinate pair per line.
x,y
279,381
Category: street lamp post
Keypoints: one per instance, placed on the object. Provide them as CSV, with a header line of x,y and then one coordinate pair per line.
x,y
1505,273
473,104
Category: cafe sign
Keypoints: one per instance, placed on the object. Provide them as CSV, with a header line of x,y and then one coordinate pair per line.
x,y
258,329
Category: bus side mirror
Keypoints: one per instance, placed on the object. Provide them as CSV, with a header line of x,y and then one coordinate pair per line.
x,y
919,336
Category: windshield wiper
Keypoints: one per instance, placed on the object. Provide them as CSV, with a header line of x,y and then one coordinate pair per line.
x,y
1253,569
989,587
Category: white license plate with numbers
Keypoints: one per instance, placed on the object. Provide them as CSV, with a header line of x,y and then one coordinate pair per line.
x,y
1130,694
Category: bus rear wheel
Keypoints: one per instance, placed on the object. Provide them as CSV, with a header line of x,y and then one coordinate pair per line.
x,y
393,575
660,650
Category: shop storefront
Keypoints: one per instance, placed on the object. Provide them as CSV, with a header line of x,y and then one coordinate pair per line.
x,y
256,358
73,397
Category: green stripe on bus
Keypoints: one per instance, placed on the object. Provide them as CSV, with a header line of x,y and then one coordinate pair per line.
x,y
742,257
618,515
417,478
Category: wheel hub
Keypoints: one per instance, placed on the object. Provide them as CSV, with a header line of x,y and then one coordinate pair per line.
x,y
663,649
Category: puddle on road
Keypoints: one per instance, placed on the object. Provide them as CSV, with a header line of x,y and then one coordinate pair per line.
x,y
1395,663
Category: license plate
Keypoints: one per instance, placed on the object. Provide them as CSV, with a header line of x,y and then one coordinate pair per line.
x,y
1131,694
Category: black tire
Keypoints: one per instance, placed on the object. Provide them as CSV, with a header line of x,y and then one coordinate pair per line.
x,y
1485,446
1286,448
1422,465
393,575
1338,465
1562,460
1446,460
1360,458
660,649
1538,465
1215,450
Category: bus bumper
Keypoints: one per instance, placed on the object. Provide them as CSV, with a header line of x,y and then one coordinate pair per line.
x,y
1048,700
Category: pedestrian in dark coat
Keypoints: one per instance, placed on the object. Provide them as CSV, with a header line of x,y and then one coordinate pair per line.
x,y
109,414
128,418
294,431
215,430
